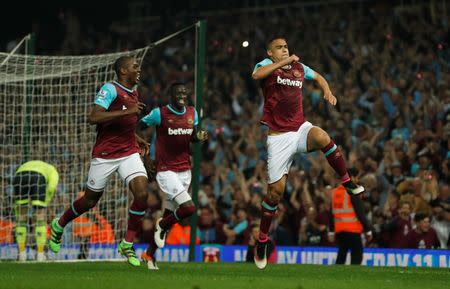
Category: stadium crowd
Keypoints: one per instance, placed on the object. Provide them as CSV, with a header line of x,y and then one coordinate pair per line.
x,y
389,68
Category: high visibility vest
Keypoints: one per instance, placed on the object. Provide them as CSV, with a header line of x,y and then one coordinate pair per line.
x,y
345,219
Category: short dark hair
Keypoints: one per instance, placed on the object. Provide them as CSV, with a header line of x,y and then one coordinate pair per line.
x,y
273,38
173,86
120,62
420,216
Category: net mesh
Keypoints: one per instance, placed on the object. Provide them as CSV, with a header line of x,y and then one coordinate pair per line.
x,y
45,101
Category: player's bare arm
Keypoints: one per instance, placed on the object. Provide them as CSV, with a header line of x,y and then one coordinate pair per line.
x,y
327,94
100,115
266,70
143,145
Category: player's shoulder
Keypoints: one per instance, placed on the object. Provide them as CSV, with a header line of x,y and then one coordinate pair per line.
x,y
107,88
156,109
264,62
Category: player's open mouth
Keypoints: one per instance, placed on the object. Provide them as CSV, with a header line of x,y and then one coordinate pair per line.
x,y
181,101
138,77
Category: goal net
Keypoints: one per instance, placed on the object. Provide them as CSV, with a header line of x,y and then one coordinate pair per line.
x,y
44,102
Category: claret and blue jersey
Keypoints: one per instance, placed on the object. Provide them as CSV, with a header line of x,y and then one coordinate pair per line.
x,y
173,136
116,138
309,73
282,90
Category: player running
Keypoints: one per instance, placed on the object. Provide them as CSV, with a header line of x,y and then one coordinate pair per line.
x,y
176,127
116,114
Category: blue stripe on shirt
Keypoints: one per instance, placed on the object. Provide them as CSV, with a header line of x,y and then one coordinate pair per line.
x,y
309,73
106,95
196,118
153,118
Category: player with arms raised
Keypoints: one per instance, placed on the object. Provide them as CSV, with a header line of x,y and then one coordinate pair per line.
x,y
176,127
282,77
116,114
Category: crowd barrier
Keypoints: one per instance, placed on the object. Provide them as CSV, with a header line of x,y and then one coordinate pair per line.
x,y
222,253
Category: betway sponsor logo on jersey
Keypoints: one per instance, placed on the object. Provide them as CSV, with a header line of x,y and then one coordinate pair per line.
x,y
180,131
290,82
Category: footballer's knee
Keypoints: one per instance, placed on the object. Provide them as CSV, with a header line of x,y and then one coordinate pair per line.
x,y
274,195
275,192
317,139
138,187
141,196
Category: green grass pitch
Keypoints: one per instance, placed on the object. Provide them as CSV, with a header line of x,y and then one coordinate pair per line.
x,y
98,275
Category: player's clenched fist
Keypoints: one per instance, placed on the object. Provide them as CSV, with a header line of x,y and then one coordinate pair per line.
x,y
202,135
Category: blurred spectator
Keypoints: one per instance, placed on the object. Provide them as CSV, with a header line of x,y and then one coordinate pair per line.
x,y
423,236
234,231
210,229
400,226
441,216
312,232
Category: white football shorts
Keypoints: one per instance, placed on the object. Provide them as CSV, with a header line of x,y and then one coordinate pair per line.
x,y
176,187
282,148
128,168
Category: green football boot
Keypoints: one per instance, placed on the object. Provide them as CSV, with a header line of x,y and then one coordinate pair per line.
x,y
126,249
54,244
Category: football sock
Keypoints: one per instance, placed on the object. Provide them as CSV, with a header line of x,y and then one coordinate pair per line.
x,y
166,213
21,235
151,248
268,210
77,208
336,161
135,215
41,235
177,215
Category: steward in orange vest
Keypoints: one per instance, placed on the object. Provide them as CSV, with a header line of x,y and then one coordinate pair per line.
x,y
349,222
